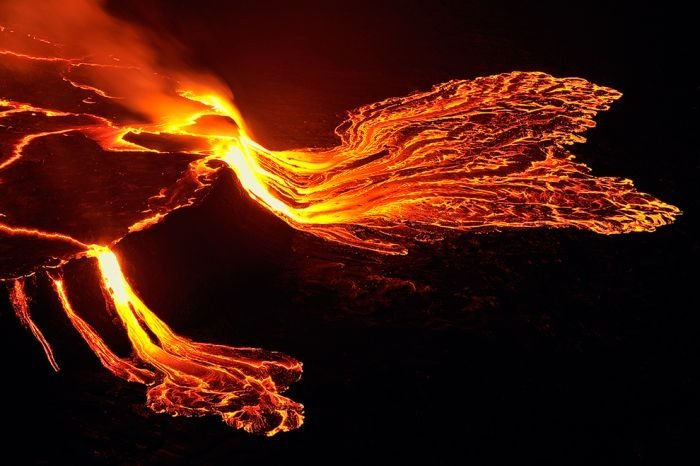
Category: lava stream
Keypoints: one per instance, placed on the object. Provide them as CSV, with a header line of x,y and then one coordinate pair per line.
x,y
242,385
20,303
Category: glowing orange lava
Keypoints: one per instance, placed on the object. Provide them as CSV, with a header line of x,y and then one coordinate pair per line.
x,y
20,302
467,155
242,385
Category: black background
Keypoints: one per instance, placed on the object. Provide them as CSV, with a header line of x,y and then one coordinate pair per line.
x,y
522,346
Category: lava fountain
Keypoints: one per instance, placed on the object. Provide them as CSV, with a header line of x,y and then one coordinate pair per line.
x,y
79,114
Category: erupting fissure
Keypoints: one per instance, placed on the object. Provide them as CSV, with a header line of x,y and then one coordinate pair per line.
x,y
466,155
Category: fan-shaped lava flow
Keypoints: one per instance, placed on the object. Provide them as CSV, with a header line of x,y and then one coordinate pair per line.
x,y
242,385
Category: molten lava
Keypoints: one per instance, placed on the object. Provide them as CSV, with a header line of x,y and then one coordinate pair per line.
x,y
20,302
241,385
467,155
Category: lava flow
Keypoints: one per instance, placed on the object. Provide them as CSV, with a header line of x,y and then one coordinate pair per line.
x,y
99,140
242,385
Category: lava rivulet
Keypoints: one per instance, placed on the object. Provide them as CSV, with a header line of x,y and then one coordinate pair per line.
x,y
20,302
96,144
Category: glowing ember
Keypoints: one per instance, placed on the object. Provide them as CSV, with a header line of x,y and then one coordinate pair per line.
x,y
483,154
